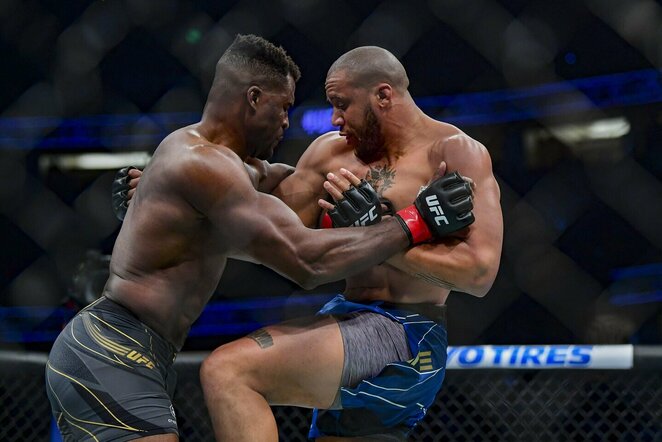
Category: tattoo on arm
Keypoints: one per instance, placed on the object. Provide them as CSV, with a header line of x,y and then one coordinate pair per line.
x,y
262,337
435,281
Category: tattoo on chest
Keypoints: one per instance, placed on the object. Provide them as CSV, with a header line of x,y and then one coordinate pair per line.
x,y
381,178
262,337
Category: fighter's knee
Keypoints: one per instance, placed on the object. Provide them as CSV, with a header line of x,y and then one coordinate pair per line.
x,y
223,368
216,368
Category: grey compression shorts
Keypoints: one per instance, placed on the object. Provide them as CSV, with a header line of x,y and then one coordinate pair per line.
x,y
370,341
110,377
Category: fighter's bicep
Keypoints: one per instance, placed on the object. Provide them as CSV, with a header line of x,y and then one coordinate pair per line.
x,y
300,192
472,159
257,220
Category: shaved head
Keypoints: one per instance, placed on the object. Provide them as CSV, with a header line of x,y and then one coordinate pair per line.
x,y
367,66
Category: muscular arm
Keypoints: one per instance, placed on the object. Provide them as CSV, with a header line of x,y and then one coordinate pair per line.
x,y
266,176
301,190
468,263
262,228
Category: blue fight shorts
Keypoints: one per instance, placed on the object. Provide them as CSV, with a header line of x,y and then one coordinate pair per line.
x,y
395,400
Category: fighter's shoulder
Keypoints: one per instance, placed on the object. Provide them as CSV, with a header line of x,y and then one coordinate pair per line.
x,y
208,164
212,176
323,149
330,140
451,141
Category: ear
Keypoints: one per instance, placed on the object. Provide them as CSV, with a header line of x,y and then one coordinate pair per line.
x,y
253,95
384,94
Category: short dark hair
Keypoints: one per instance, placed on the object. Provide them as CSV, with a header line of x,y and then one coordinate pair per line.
x,y
261,58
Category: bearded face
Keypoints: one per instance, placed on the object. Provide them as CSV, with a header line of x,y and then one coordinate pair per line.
x,y
370,145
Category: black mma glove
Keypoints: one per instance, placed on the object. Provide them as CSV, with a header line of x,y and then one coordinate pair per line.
x,y
387,206
120,190
444,207
359,207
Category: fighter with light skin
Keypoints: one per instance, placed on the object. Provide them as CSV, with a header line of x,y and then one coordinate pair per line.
x,y
385,139
109,375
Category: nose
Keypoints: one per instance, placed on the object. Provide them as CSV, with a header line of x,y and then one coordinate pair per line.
x,y
286,122
337,119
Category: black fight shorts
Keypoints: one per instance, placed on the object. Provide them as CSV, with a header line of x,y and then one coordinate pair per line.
x,y
110,378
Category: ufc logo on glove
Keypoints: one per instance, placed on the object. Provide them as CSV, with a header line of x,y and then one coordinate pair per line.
x,y
367,218
447,199
435,207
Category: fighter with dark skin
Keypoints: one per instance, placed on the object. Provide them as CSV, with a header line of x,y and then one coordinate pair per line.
x,y
387,140
197,206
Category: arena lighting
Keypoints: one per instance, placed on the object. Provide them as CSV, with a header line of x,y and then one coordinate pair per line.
x,y
637,271
609,128
636,298
94,161
229,317
482,108
636,285
595,140
116,131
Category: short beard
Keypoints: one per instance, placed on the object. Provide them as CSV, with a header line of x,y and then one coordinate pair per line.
x,y
371,141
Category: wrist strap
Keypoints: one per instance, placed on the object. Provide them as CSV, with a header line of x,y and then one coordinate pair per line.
x,y
403,224
326,222
412,222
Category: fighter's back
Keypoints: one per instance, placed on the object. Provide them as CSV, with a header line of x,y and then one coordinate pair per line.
x,y
167,258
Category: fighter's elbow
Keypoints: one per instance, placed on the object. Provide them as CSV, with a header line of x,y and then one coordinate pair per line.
x,y
309,276
479,289
482,278
308,282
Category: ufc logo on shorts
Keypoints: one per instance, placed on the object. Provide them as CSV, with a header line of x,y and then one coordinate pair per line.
x,y
435,207
370,216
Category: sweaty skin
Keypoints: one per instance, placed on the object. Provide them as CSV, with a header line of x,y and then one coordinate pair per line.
x,y
428,272
425,273
385,138
196,206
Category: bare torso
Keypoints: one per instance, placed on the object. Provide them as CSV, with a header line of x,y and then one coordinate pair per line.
x,y
398,180
198,204
168,258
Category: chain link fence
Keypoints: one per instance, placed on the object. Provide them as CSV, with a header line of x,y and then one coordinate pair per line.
x,y
582,256
474,405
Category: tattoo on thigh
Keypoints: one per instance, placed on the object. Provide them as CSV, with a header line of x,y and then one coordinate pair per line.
x,y
262,337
